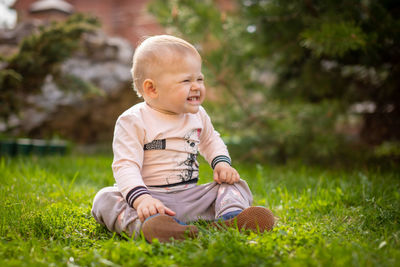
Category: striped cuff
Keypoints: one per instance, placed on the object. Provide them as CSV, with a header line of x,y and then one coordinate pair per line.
x,y
135,193
219,159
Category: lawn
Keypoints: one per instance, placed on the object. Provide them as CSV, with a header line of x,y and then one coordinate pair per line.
x,y
326,217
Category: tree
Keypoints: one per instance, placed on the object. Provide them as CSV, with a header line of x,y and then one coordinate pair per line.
x,y
324,56
347,51
38,56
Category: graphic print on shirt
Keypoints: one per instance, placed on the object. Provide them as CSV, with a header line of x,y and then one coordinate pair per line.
x,y
157,144
188,167
191,170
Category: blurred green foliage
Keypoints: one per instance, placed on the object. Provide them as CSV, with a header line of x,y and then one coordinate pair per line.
x,y
285,74
39,55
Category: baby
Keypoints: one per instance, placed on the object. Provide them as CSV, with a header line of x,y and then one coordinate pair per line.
x,y
155,147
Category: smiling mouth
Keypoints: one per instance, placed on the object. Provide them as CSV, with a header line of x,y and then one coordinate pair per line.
x,y
194,98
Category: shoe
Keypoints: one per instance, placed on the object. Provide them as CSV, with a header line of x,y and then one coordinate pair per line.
x,y
256,219
164,227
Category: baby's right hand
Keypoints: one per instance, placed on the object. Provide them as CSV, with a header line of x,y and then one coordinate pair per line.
x,y
147,206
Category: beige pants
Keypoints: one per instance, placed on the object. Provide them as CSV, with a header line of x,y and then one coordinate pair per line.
x,y
207,202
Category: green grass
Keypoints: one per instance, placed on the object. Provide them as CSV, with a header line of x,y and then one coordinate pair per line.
x,y
326,218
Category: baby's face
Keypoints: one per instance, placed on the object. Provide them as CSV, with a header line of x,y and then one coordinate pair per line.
x,y
180,85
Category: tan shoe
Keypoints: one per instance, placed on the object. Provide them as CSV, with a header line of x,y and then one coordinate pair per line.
x,y
253,218
164,227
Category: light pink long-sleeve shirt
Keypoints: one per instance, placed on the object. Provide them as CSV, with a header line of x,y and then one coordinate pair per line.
x,y
160,150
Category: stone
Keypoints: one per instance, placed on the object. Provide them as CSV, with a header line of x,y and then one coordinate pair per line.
x,y
83,117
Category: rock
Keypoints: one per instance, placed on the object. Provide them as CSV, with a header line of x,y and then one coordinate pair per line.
x,y
83,117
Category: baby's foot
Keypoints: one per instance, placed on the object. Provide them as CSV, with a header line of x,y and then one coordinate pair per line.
x,y
164,227
253,218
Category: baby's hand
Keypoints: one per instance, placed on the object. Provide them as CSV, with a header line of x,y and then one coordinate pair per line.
x,y
224,173
147,206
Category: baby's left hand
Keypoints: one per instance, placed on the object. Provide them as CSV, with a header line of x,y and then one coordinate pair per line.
x,y
224,173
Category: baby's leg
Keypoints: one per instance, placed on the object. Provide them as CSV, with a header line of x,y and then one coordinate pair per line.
x,y
207,201
231,198
233,207
111,209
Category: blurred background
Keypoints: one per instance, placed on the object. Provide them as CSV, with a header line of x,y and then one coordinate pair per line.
x,y
288,80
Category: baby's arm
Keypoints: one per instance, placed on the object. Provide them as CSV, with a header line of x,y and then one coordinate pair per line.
x,y
215,152
225,173
128,158
146,206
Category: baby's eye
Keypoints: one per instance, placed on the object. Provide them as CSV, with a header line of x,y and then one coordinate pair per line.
x,y
200,79
186,81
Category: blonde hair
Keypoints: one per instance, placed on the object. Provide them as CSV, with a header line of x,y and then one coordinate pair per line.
x,y
152,53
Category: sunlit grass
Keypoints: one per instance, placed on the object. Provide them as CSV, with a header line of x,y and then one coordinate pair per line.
x,y
325,217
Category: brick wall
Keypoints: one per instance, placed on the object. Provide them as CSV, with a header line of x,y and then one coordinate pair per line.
x,y
125,18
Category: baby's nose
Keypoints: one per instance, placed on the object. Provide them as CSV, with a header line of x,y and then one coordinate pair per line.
x,y
195,85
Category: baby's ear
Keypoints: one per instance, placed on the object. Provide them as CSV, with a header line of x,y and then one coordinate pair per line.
x,y
149,88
